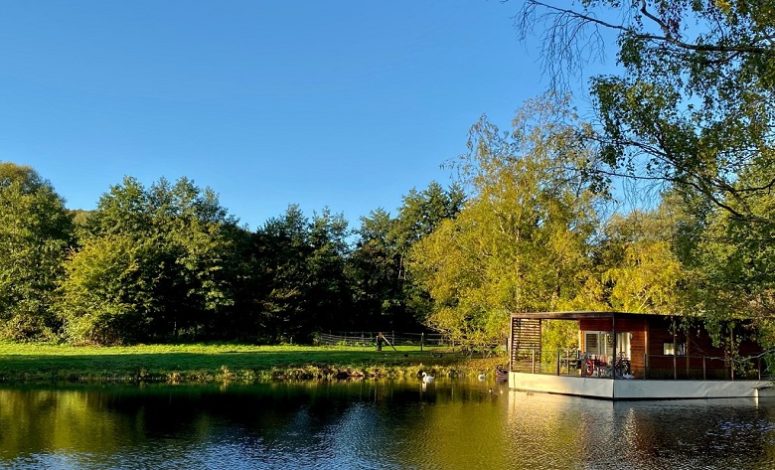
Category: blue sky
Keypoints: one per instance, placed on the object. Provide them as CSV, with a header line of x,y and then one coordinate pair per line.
x,y
345,104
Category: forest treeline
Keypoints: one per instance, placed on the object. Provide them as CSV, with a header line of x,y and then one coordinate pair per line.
x,y
168,263
683,129
524,229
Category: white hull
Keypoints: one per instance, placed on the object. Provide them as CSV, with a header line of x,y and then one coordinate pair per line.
x,y
622,389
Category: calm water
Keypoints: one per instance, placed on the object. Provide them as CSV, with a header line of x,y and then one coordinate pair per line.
x,y
373,425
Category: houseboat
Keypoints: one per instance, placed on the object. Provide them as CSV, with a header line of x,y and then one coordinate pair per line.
x,y
636,356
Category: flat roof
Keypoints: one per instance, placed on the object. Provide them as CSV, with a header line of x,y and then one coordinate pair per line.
x,y
579,315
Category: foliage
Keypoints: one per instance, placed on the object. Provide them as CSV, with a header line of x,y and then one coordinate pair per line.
x,y
103,299
521,242
734,276
558,336
692,103
151,267
35,230
385,292
300,266
637,268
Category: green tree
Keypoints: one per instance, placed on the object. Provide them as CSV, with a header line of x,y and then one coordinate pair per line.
x,y
281,277
172,273
35,230
300,275
419,215
330,295
385,294
104,298
637,267
373,269
522,241
734,276
692,103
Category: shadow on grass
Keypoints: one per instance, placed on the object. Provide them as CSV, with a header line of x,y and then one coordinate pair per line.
x,y
30,366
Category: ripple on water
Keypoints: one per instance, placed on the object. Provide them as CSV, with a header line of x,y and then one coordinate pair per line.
x,y
374,425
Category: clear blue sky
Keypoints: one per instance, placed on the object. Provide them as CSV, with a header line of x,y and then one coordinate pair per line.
x,y
346,104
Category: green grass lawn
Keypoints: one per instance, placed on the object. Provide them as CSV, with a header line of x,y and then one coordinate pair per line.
x,y
216,362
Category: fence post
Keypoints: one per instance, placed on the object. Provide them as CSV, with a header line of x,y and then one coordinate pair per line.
x,y
704,369
422,340
558,362
675,362
533,360
759,366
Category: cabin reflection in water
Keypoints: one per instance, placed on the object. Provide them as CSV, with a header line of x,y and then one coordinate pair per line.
x,y
555,431
623,355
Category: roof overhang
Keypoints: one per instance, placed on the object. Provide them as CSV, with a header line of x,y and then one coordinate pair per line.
x,y
580,315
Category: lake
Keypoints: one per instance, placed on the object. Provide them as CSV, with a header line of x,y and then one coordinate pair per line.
x,y
369,424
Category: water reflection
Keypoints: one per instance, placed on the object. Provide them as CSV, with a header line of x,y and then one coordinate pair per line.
x,y
373,425
735,433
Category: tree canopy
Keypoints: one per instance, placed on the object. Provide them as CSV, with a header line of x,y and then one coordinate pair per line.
x,y
151,266
35,230
692,103
522,240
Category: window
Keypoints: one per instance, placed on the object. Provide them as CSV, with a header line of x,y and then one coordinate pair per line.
x,y
601,343
673,349
592,343
623,341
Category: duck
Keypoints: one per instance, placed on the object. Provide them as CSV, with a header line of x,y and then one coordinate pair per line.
x,y
426,379
482,377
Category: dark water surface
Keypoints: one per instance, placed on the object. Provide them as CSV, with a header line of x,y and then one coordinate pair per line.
x,y
373,425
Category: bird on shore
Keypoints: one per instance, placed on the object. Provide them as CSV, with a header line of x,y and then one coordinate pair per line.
x,y
426,379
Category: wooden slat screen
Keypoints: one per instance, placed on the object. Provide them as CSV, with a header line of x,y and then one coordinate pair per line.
x,y
525,343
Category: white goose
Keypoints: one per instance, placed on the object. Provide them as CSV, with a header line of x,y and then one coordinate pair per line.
x,y
426,379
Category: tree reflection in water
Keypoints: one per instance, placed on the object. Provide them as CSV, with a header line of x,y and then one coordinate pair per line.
x,y
373,425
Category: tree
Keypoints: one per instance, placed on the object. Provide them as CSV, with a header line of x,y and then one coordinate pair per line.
x,y
422,211
374,272
693,103
386,295
281,277
330,296
637,267
419,215
301,276
105,298
35,231
521,242
734,273
169,245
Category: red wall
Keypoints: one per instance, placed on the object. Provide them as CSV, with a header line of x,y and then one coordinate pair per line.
x,y
656,331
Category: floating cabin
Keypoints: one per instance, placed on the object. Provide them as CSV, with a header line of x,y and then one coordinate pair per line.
x,y
635,356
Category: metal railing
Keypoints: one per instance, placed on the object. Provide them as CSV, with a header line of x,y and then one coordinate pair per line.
x,y
369,338
575,363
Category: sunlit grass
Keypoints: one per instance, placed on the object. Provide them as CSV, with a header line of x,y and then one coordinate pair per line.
x,y
211,362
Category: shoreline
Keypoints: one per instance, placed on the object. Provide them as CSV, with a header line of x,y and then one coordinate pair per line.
x,y
227,363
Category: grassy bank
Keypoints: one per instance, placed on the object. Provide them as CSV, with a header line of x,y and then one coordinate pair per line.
x,y
207,363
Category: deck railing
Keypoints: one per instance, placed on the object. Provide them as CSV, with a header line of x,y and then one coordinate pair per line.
x,y
575,363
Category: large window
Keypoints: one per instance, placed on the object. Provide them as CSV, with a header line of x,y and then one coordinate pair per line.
x,y
600,343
